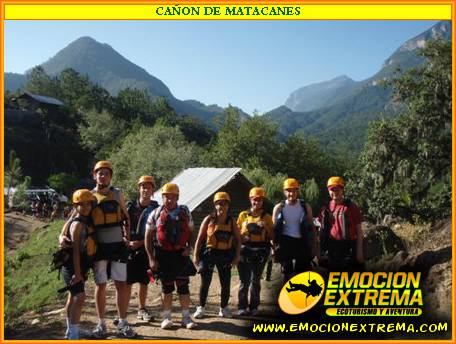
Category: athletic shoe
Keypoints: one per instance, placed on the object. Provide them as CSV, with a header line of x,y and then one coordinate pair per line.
x,y
254,312
199,313
224,312
126,331
166,324
188,323
242,312
144,315
99,332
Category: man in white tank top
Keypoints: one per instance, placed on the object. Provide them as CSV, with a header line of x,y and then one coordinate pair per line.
x,y
295,234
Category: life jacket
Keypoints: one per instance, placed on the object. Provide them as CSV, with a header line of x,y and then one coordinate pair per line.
x,y
220,236
256,233
328,218
63,256
138,218
304,225
90,243
173,233
107,212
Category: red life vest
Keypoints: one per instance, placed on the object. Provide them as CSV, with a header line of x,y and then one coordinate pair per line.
x,y
172,232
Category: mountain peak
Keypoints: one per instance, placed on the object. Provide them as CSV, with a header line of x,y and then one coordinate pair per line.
x,y
316,95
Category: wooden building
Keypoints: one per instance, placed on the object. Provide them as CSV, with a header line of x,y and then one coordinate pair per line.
x,y
198,186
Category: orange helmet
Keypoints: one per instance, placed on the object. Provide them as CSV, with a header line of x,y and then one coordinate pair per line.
x,y
103,164
222,196
290,183
257,192
336,181
146,179
170,188
83,195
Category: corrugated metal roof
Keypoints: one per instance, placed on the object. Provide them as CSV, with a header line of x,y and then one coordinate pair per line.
x,y
197,184
44,99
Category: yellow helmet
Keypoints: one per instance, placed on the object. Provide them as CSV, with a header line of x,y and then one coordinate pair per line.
x,y
221,196
83,195
336,181
170,188
103,164
146,179
257,192
290,183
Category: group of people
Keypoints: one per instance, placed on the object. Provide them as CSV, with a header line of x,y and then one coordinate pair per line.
x,y
48,209
141,240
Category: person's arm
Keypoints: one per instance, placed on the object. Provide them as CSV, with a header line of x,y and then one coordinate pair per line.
x,y
200,239
76,235
241,218
149,242
64,242
276,212
312,227
237,242
269,226
125,218
191,226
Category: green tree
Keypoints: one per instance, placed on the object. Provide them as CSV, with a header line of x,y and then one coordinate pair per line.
x,y
159,151
251,143
133,104
63,182
101,132
273,184
40,83
13,171
20,197
405,168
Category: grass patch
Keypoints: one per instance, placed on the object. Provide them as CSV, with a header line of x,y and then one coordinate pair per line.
x,y
28,283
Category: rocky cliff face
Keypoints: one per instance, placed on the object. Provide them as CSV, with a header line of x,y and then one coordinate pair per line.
x,y
403,247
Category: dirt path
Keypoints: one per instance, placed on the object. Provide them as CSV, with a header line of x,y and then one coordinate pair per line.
x,y
51,323
18,228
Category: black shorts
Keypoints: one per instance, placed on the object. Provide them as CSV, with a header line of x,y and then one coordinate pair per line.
x,y
174,266
137,266
67,273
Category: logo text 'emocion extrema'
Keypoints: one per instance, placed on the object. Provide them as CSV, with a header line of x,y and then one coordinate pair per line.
x,y
301,292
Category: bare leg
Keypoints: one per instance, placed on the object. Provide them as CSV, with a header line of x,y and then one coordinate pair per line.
x,y
100,300
142,295
121,299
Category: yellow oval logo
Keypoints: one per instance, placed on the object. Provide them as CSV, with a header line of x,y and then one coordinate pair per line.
x,y
301,292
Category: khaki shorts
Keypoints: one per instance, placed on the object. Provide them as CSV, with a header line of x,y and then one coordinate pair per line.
x,y
118,271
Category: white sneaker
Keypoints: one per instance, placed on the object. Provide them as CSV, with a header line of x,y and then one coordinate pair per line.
x,y
166,324
224,312
144,315
199,313
99,332
242,312
188,323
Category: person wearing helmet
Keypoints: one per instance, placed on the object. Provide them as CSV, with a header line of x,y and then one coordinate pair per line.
x,y
138,262
112,227
294,233
74,272
256,236
217,245
342,233
168,233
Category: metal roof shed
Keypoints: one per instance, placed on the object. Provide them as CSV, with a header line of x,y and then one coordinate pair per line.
x,y
197,187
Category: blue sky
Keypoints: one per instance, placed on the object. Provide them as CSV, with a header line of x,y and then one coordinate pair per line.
x,y
251,64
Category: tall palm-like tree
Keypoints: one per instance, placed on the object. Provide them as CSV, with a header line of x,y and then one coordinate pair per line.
x,y
13,172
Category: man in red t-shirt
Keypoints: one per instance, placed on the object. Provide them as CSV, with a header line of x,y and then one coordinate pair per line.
x,y
342,231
